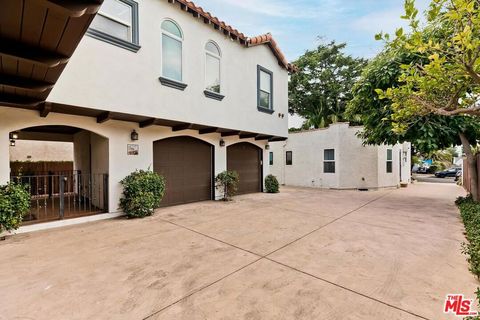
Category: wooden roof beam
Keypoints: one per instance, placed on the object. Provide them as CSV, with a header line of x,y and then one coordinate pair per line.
x,y
71,8
31,54
263,137
104,117
181,127
230,133
45,109
248,135
147,123
15,82
208,130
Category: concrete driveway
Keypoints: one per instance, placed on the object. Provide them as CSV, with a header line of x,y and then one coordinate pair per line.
x,y
299,254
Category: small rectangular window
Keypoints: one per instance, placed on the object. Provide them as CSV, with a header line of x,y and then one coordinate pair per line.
x,y
117,22
389,161
264,88
271,158
329,161
288,160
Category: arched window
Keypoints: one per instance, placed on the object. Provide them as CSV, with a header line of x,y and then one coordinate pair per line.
x,y
212,67
172,39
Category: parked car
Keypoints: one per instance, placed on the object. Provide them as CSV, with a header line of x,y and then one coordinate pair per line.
x,y
458,176
422,170
452,172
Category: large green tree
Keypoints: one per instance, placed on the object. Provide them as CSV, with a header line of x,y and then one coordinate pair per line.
x,y
445,79
427,132
320,90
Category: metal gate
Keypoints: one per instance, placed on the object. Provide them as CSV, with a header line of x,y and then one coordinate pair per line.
x,y
65,195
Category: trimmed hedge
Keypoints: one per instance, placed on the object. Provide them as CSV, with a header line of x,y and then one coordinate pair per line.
x,y
143,191
14,204
271,184
470,213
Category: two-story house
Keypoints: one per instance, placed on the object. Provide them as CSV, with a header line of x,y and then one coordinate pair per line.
x,y
150,84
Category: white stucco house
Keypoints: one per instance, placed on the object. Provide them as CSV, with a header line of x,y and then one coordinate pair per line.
x,y
335,158
158,84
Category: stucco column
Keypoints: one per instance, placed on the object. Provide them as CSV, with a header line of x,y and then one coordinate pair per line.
x,y
4,157
220,164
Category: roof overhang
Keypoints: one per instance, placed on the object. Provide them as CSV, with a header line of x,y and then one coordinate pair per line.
x,y
37,38
102,116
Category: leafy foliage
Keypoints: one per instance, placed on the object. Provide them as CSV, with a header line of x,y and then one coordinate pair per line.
x,y
143,191
447,80
320,89
428,133
227,181
271,184
470,212
14,204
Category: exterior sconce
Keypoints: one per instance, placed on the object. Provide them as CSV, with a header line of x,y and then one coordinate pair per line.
x,y
14,135
12,143
134,135
222,143
267,147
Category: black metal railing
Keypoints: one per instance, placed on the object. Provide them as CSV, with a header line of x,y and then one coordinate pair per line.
x,y
65,195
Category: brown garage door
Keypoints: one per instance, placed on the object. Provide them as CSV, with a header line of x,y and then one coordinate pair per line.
x,y
186,164
246,159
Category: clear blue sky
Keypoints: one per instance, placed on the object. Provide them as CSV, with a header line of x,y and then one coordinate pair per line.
x,y
298,25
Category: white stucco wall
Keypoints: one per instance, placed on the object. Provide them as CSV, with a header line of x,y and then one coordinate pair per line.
x,y
103,76
31,150
356,166
118,134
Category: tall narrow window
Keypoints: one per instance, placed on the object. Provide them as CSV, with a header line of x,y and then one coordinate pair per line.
x,y
271,158
329,161
264,89
288,158
389,161
172,39
212,67
117,23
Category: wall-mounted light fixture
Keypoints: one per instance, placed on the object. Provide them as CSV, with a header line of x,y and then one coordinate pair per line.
x,y
12,143
14,135
134,135
222,143
267,147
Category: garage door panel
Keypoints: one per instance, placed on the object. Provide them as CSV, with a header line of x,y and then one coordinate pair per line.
x,y
245,158
186,164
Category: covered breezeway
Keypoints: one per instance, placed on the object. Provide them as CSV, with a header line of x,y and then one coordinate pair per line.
x,y
62,189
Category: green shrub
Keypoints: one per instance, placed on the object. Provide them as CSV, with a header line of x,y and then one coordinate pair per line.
x,y
271,184
227,181
143,191
470,213
14,204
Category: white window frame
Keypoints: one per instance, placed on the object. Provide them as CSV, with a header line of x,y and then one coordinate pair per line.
x,y
133,29
129,25
168,34
219,57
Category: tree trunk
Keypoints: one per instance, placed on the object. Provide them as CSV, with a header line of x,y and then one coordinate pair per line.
x,y
472,166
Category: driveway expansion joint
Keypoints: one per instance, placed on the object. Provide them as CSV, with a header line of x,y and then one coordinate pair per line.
x,y
266,257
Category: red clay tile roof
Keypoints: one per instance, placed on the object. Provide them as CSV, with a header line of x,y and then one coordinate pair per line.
x,y
233,33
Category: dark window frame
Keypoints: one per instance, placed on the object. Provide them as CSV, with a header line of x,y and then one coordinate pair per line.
x,y
328,164
260,108
389,162
270,158
133,45
288,162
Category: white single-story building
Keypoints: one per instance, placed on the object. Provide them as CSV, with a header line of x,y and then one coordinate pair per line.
x,y
336,158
